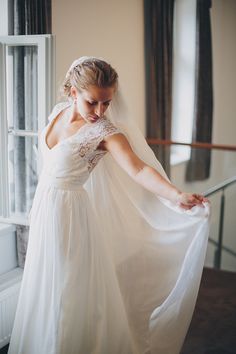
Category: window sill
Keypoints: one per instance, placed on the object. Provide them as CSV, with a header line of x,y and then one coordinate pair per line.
x,y
177,159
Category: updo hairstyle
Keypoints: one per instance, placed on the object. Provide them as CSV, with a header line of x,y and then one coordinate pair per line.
x,y
89,72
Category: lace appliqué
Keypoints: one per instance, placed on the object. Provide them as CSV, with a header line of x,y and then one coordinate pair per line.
x,y
92,137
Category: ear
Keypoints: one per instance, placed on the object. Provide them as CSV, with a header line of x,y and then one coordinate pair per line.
x,y
73,92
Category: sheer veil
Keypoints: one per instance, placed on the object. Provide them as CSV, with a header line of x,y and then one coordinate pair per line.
x,y
158,249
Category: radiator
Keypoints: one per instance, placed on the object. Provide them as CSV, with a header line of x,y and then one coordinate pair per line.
x,y
9,290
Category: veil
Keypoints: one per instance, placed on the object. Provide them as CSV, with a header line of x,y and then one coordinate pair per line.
x,y
157,247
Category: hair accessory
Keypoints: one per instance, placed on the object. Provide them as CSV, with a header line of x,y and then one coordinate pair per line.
x,y
80,61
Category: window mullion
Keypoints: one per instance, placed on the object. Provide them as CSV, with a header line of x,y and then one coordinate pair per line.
x,y
5,212
16,132
42,87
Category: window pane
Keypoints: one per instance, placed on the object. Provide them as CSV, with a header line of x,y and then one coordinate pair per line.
x,y
22,87
22,155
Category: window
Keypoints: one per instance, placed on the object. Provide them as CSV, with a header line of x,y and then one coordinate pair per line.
x,y
26,97
183,77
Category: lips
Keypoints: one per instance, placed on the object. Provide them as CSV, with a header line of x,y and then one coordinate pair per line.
x,y
94,118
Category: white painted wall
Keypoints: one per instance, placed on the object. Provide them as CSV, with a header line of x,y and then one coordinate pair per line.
x,y
114,30
223,19
110,29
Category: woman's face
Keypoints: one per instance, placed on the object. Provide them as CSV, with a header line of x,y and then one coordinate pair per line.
x,y
93,102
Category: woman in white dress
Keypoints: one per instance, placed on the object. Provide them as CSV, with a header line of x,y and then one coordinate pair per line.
x,y
115,250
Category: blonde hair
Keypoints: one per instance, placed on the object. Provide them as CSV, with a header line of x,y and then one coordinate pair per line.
x,y
89,72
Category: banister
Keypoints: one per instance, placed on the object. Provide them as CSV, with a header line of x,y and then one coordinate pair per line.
x,y
220,186
154,141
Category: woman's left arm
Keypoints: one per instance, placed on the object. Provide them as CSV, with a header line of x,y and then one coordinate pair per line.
x,y
146,175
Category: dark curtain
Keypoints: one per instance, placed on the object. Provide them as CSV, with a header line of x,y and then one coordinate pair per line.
x,y
30,17
158,19
198,167
26,17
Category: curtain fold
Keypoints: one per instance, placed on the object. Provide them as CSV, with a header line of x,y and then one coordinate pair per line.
x,y
38,16
198,167
30,17
158,20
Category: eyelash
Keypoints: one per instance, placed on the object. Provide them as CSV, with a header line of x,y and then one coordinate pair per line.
x,y
94,103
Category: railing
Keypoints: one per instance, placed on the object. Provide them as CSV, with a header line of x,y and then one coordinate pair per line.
x,y
220,187
153,141
224,155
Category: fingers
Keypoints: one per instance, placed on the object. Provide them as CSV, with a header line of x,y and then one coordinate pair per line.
x,y
201,198
189,200
186,207
194,199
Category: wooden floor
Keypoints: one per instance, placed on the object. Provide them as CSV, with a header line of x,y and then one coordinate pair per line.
x,y
213,327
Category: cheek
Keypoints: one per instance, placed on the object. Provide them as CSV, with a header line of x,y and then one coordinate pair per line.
x,y
83,107
88,108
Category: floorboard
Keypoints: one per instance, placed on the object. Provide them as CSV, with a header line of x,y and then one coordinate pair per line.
x,y
213,327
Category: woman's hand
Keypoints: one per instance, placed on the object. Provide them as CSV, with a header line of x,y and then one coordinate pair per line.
x,y
189,200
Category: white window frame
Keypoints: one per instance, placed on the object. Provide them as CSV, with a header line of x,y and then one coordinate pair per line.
x,y
46,98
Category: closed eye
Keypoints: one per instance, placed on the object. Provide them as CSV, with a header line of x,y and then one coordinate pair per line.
x,y
93,103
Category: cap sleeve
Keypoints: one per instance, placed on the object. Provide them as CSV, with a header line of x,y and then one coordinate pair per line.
x,y
108,128
102,129
93,137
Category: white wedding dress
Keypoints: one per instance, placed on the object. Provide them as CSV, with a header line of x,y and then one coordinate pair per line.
x,y
103,274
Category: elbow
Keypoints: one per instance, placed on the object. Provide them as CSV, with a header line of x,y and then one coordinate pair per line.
x,y
139,172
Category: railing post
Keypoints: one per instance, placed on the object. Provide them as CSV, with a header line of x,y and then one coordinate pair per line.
x,y
218,252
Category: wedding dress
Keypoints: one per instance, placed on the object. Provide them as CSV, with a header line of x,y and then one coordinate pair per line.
x,y
110,268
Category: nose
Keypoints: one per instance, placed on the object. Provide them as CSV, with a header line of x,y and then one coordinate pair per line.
x,y
100,109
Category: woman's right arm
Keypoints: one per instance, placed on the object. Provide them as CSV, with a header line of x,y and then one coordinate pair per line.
x,y
146,175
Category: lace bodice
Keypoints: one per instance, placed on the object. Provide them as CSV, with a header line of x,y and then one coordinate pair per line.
x,y
75,157
91,138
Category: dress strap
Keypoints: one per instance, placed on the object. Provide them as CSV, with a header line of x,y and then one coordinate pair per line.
x,y
57,109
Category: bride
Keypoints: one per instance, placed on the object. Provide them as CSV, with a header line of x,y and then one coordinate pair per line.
x,y
115,250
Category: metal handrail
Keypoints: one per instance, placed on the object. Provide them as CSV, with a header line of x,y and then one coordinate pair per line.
x,y
224,248
220,187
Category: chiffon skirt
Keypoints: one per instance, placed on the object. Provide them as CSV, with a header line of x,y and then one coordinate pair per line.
x,y
77,298
70,301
